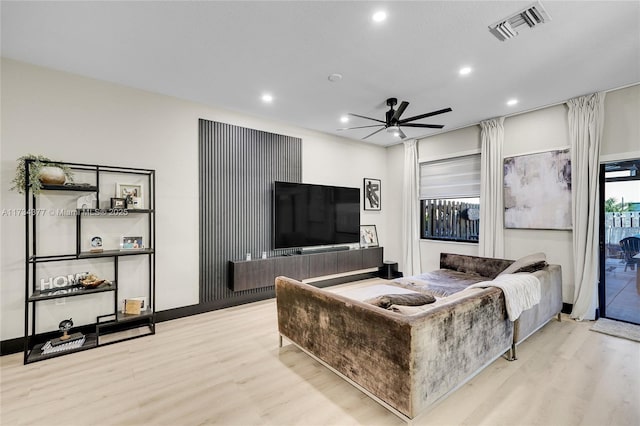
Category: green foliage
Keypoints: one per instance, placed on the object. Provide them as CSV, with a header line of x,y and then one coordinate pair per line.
x,y
39,161
611,205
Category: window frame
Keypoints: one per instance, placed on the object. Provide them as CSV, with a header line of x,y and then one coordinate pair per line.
x,y
469,188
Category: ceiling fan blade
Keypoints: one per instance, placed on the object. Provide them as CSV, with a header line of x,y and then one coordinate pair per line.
x,y
401,134
368,118
359,127
379,130
429,114
426,126
400,110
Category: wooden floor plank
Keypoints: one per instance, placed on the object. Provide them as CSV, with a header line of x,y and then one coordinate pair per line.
x,y
225,368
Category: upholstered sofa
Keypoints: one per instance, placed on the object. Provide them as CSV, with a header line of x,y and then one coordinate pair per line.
x,y
457,272
407,362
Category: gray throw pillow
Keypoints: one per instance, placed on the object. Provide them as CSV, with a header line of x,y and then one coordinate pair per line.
x,y
530,263
408,299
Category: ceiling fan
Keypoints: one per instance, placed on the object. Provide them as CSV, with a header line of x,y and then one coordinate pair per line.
x,y
393,122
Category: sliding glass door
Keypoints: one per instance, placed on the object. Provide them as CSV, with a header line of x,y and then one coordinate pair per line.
x,y
619,289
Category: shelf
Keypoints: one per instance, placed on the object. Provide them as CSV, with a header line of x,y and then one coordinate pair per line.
x,y
72,187
90,255
70,291
113,212
121,317
36,355
116,325
114,253
52,258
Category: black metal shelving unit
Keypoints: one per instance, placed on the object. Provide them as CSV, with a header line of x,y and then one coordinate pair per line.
x,y
114,322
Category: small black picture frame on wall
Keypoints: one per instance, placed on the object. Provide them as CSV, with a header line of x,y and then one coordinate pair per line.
x,y
371,188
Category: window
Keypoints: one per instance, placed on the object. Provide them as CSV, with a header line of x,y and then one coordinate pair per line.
x,y
450,199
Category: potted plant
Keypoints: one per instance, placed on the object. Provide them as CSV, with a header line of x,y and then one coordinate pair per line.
x,y
42,170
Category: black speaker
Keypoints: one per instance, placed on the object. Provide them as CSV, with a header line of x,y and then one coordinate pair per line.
x,y
389,270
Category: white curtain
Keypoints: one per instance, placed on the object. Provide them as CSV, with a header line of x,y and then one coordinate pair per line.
x,y
410,211
586,121
491,242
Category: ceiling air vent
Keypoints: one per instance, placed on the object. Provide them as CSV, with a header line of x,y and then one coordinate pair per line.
x,y
531,16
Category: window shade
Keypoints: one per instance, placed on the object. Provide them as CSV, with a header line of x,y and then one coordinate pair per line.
x,y
457,177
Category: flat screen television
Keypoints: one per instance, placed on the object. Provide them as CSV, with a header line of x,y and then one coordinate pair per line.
x,y
306,215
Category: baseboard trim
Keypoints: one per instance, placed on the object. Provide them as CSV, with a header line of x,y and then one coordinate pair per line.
x,y
11,346
201,308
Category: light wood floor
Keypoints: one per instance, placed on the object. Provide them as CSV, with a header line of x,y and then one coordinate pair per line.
x,y
225,368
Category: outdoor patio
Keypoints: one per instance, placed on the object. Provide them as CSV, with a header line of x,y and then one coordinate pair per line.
x,y
622,295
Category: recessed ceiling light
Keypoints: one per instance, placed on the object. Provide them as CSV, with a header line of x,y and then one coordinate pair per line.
x,y
512,102
267,98
379,16
465,70
335,77
344,119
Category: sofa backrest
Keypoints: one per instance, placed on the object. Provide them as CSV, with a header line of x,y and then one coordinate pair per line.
x,y
483,266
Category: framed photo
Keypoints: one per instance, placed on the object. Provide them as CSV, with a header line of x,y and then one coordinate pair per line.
x,y
95,244
131,243
134,305
118,203
371,191
132,194
368,236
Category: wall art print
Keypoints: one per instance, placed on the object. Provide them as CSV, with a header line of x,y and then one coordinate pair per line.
x,y
537,190
371,189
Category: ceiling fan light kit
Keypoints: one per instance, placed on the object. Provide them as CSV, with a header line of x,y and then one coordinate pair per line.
x,y
393,122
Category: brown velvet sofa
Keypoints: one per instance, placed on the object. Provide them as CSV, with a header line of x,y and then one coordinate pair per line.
x,y
459,271
409,362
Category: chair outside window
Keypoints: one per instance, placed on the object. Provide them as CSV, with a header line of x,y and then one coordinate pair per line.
x,y
630,247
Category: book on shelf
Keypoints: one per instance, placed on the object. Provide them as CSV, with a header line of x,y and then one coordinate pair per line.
x,y
60,340
48,348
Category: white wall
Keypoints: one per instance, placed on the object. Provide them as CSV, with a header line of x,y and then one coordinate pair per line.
x,y
540,130
76,119
543,130
621,136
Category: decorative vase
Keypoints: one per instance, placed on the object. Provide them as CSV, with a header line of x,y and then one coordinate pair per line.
x,y
50,175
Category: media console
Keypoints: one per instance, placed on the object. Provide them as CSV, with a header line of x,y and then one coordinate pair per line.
x,y
260,273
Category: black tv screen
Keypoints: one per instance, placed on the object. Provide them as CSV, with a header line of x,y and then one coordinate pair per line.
x,y
306,215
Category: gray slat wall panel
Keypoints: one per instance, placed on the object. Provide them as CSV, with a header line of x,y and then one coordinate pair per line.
x,y
237,167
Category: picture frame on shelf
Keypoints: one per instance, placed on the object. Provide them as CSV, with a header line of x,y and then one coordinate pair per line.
x,y
134,305
368,236
118,203
371,188
86,201
95,243
132,194
131,243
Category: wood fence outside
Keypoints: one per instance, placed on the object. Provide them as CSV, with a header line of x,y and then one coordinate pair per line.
x,y
449,220
622,219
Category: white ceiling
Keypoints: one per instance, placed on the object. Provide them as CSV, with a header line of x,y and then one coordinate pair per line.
x,y
227,54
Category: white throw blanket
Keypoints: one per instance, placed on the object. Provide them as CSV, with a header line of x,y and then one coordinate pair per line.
x,y
521,291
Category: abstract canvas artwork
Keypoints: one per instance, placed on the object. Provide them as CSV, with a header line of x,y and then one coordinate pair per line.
x,y
537,190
